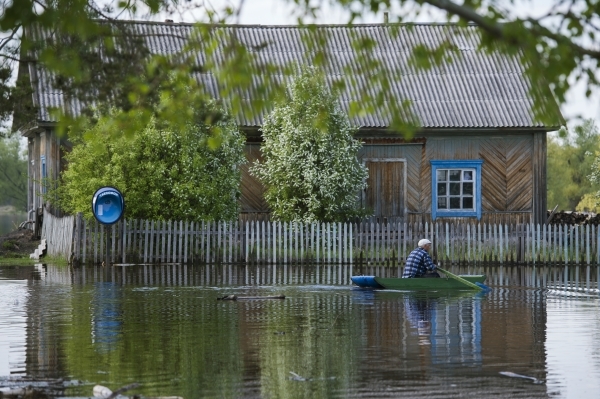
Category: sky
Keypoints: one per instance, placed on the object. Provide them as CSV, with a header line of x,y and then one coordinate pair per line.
x,y
279,12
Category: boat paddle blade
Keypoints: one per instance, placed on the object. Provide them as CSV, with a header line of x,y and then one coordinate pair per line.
x,y
483,286
462,280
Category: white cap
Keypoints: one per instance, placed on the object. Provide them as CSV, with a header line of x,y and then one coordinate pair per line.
x,y
424,242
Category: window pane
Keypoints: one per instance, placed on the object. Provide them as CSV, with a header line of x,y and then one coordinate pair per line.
x,y
468,175
455,175
468,203
467,188
454,188
441,188
454,202
442,204
442,175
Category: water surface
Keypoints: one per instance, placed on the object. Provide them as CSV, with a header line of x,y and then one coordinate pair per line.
x,y
163,327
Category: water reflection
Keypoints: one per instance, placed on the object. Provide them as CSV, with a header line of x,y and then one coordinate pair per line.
x,y
161,326
106,322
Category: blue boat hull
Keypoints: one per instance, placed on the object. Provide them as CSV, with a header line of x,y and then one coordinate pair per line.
x,y
366,281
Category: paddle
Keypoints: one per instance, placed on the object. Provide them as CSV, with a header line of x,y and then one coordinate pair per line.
x,y
477,286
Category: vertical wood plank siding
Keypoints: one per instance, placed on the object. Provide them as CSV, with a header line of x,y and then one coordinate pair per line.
x,y
513,173
539,176
386,244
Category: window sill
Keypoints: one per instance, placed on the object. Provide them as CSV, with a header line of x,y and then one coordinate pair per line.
x,y
456,214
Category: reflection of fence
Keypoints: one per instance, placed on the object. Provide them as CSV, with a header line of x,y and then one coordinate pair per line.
x,y
144,241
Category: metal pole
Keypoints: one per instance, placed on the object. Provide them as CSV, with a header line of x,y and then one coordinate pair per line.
x,y
107,259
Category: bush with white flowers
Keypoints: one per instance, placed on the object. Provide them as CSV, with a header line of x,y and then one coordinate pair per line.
x,y
310,167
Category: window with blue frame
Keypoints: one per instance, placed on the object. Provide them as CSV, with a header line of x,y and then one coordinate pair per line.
x,y
456,188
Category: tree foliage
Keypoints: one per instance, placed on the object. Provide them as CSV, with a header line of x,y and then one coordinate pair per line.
x,y
164,173
558,48
13,174
571,164
310,170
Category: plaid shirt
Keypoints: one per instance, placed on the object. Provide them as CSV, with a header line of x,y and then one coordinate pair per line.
x,y
418,263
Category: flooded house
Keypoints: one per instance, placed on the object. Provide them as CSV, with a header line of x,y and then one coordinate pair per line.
x,y
478,154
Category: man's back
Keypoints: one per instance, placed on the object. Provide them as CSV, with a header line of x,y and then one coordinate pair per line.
x,y
418,263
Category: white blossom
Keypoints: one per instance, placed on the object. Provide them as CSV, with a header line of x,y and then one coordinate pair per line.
x,y
310,168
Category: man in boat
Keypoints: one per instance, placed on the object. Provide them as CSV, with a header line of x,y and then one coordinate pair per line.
x,y
419,263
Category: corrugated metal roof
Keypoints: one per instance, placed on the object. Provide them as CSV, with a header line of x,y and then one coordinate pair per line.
x,y
474,90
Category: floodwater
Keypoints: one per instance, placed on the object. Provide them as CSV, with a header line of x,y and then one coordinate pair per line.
x,y
536,334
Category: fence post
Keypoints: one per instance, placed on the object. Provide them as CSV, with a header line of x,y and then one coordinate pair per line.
x,y
84,240
351,244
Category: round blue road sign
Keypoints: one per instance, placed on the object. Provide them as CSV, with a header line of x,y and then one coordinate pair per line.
x,y
108,205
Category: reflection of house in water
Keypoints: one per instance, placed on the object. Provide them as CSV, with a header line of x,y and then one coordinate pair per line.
x,y
445,327
385,327
522,331
455,330
43,352
449,331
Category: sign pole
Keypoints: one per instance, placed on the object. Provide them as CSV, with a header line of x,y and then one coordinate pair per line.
x,y
108,207
107,258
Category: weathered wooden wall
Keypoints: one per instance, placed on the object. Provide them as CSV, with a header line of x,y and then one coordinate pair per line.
x,y
252,201
513,173
43,142
399,183
511,182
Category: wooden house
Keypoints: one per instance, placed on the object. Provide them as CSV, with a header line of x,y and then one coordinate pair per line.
x,y
478,155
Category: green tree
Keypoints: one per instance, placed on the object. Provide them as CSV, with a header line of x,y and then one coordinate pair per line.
x,y
13,174
310,169
558,49
163,172
570,164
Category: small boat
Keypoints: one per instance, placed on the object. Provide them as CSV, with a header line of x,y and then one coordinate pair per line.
x,y
396,283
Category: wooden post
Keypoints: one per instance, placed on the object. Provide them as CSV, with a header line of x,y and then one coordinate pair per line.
x,y
152,246
351,244
598,249
84,240
105,245
207,235
113,230
329,243
576,245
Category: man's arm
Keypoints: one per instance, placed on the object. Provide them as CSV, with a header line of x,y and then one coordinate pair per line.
x,y
429,265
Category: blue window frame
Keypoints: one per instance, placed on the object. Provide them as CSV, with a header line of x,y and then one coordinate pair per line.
x,y
456,188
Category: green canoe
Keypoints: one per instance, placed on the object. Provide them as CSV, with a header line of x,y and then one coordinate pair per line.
x,y
417,283
428,283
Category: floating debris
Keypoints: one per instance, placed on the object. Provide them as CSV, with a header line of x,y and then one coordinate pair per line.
x,y
100,391
515,375
239,298
297,377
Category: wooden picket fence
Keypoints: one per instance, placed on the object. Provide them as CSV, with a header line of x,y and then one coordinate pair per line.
x,y
58,233
147,241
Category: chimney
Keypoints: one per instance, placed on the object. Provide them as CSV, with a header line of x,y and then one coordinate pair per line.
x,y
385,18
